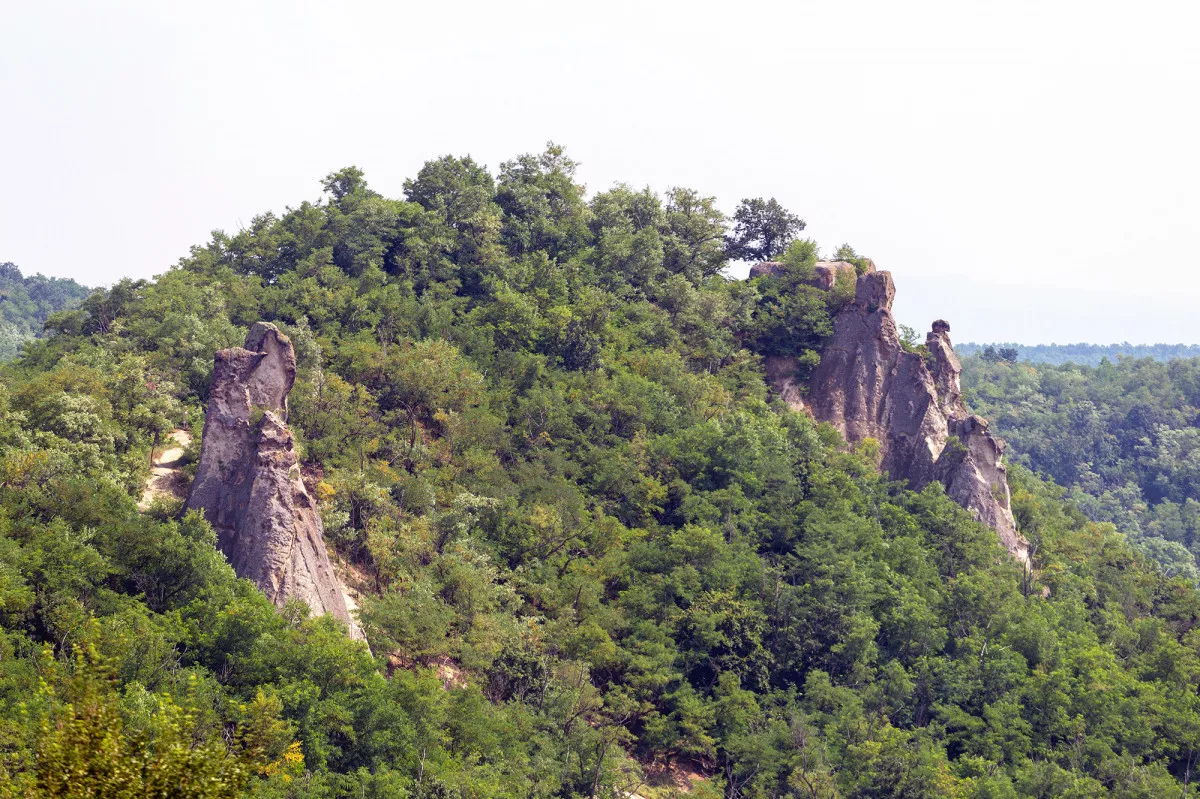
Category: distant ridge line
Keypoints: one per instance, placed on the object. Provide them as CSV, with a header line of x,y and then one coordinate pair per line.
x,y
1085,354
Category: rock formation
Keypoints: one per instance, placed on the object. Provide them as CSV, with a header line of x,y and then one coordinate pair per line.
x,y
248,484
767,269
826,274
783,378
868,386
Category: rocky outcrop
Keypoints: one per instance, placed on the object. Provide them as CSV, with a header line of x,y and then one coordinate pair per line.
x,y
826,274
248,483
868,386
784,378
767,269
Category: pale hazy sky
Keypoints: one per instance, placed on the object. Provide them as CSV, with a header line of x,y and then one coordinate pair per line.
x,y
1027,170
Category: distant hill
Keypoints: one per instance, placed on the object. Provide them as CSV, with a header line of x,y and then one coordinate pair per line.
x,y
1085,354
26,303
1122,437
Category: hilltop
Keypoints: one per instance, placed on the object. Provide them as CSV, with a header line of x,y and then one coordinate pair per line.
x,y
1084,354
599,550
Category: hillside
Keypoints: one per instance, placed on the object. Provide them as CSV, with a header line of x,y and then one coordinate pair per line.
x,y
27,302
1123,436
596,554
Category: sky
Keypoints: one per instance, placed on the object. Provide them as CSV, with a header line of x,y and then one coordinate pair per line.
x,y
1027,171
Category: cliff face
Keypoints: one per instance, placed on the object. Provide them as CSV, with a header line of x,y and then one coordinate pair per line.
x,y
868,386
248,484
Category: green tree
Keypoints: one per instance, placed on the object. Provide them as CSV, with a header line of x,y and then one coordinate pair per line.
x,y
762,230
694,240
543,206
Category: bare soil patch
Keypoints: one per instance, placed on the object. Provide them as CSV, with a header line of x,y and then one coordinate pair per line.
x,y
166,475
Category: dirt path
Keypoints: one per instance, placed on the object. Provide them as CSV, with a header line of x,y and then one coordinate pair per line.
x,y
165,472
352,582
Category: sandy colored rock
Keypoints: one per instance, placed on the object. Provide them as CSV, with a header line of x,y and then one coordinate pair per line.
x,y
767,269
248,482
868,386
782,375
826,274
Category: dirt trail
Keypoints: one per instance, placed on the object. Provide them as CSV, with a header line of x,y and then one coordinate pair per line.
x,y
164,475
352,582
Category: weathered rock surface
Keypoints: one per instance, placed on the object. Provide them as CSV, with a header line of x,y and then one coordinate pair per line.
x,y
826,274
868,386
248,483
767,269
782,377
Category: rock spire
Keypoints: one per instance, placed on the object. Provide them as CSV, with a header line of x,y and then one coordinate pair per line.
x,y
248,484
868,386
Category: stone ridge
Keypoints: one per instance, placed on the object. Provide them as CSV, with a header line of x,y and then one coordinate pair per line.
x,y
248,483
868,386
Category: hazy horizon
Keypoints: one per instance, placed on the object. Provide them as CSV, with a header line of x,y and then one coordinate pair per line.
x,y
1027,172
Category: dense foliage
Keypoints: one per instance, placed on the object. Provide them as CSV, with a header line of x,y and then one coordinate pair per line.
x,y
762,230
1124,437
600,554
1083,354
26,303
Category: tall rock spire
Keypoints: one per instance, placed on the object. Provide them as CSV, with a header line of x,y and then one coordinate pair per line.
x,y
248,484
868,386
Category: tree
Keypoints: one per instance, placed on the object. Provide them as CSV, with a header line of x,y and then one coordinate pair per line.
x,y
457,189
544,208
26,303
345,182
541,430
695,235
846,253
626,226
85,747
762,230
460,194
993,354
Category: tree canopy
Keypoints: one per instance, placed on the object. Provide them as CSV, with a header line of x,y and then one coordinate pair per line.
x,y
26,304
1122,436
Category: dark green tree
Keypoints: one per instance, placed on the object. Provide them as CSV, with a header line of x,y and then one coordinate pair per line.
x,y
762,230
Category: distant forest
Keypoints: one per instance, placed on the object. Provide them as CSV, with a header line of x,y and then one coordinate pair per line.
x,y
27,302
1084,354
1123,438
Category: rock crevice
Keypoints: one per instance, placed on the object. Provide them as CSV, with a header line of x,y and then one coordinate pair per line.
x,y
868,386
248,482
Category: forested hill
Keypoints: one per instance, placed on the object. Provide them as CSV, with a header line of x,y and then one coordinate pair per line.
x,y
1082,354
1123,436
27,302
598,558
